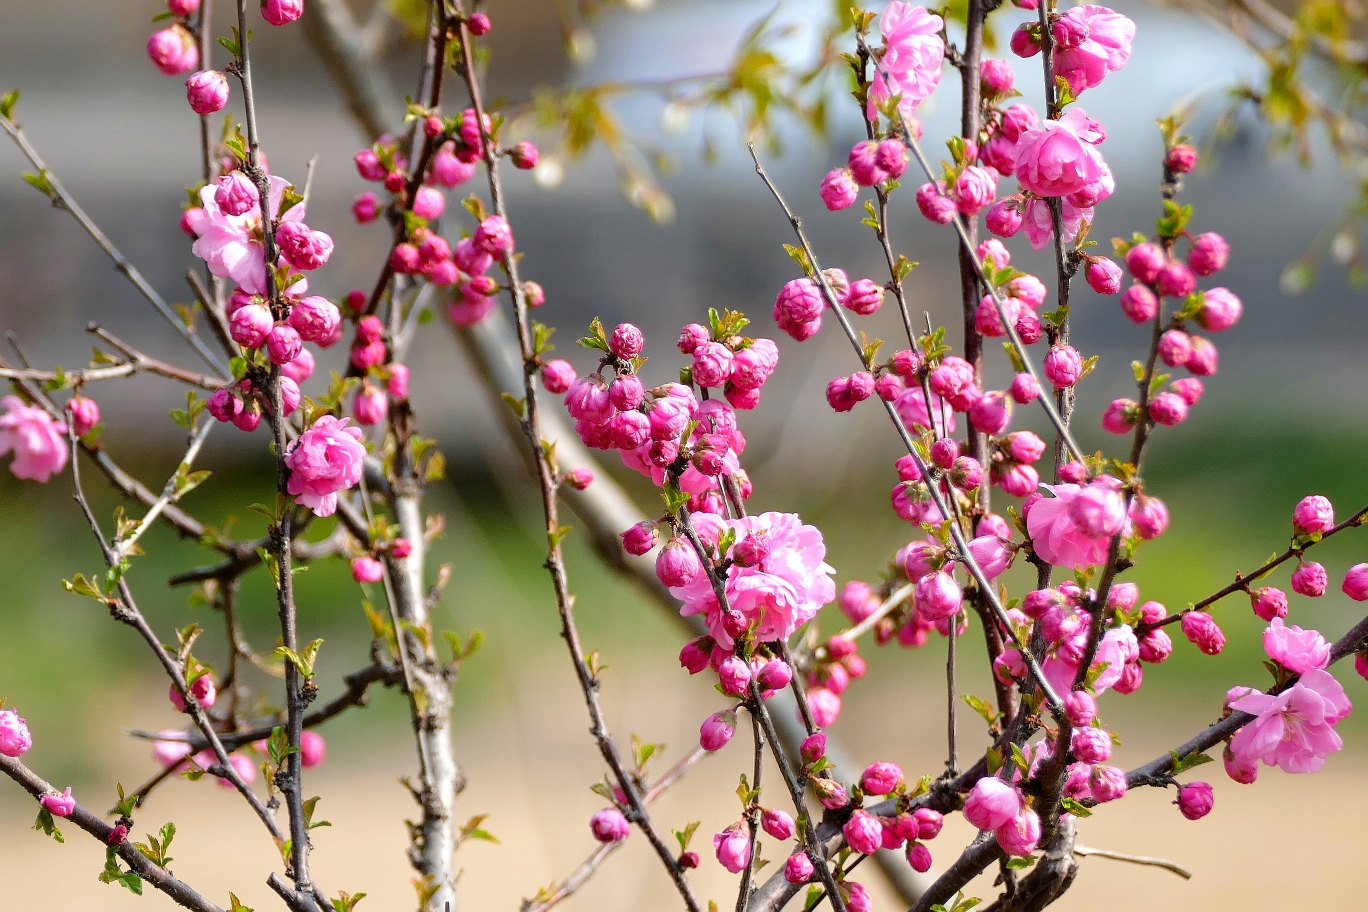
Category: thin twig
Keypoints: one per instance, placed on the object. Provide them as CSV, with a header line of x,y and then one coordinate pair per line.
x,y
1164,863
170,494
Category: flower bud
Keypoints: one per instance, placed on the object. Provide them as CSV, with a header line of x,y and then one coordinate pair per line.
x,y
1313,514
283,344
1021,835
717,730
281,12
1139,304
580,478
696,653
1023,42
1309,579
429,203
1201,630
813,748
173,50
1104,276
777,823
798,868
609,826
1221,309
1063,366
996,76
775,675
524,156
367,570
919,857
1168,409
59,805
1208,253
1091,745
863,832
1107,783
640,538
1175,347
1195,800
1203,360
938,595
838,190
15,740
1144,261
250,325
202,689
864,164
1024,389
370,405
991,803
1003,218
83,413
880,778
1180,159
1080,707
207,92
1120,416
627,342
1355,583
735,676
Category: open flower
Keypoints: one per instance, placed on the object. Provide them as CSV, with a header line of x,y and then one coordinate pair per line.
x,y
326,459
912,57
232,245
36,439
1294,729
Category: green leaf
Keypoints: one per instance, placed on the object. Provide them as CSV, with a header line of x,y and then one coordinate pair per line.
x,y
982,707
1021,862
7,103
48,825
345,901
685,835
1183,764
1073,807
41,183
235,904
799,256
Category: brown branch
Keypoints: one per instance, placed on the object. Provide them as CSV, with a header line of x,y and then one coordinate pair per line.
x,y
181,893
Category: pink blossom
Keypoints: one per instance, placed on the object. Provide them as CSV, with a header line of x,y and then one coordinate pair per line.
x,y
84,414
1221,309
1208,253
1056,534
1080,707
1181,158
1004,217
494,236
1093,41
911,63
1054,160
1203,632
301,246
1107,783
798,868
325,460
1063,366
15,740
935,203
733,847
991,803
202,689
38,440
974,189
777,823
1269,602
1295,649
1039,221
778,594
1295,729
231,245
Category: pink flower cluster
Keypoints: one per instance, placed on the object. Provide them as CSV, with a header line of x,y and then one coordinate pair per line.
x,y
909,67
37,440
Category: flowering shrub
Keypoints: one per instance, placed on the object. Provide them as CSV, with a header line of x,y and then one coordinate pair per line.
x,y
979,496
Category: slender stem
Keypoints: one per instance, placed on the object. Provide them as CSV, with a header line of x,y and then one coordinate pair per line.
x,y
952,756
1164,863
63,200
547,482
753,811
170,494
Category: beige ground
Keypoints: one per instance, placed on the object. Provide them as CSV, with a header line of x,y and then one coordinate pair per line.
x,y
1286,842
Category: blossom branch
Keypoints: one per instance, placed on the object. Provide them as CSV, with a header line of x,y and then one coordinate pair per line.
x,y
178,891
175,487
945,511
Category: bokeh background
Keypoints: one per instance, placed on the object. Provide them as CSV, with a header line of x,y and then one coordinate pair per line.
x,y
1281,420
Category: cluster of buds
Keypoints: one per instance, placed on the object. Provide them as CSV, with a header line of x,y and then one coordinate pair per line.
x,y
382,380
798,307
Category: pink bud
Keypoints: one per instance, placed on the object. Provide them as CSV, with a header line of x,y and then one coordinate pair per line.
x,y
1168,409
775,675
1139,304
1023,42
557,375
118,834
798,868
447,170
1175,347
991,803
1269,602
203,690
524,156
84,414
367,570
365,208
59,805
1021,835
1313,514
777,823
677,564
173,50
250,325
938,595
1104,276
15,740
182,8
281,12
1356,583
1080,708
1208,253
992,412
1063,366
1024,389
609,826
1202,631
996,76
1120,416
627,342
1220,310
1181,159
695,654
863,832
429,203
207,92
1149,516
1203,360
479,24
283,343
1003,218
1189,388
1175,280
813,747
825,707
880,778
400,548
839,190
919,857
935,205
370,405
1091,745
579,479
717,730
1144,262
1309,579
864,164
494,236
